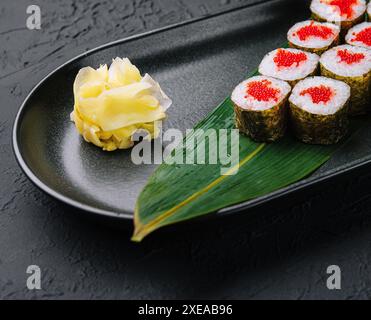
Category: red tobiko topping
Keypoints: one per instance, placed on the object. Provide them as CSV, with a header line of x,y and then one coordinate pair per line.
x,y
318,94
345,6
312,30
261,90
285,58
349,57
363,36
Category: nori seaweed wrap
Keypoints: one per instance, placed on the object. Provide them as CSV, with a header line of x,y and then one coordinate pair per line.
x,y
353,66
319,110
260,105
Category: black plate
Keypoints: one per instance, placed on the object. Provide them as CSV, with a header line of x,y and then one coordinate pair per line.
x,y
197,63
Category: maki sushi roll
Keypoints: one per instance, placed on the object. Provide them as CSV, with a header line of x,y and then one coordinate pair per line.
x,y
318,110
314,36
290,65
260,106
360,35
347,13
353,66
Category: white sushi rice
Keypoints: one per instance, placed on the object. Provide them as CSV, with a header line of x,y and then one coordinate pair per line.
x,y
242,99
313,42
331,13
269,68
354,31
341,94
332,62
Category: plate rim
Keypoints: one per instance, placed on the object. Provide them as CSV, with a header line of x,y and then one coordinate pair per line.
x,y
124,215
18,119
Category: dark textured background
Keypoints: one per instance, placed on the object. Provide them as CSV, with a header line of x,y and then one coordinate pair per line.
x,y
284,256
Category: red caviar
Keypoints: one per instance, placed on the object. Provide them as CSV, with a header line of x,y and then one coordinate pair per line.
x,y
345,7
286,59
317,31
318,94
262,90
349,57
364,36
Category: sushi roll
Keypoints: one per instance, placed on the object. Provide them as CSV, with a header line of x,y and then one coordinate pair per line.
x,y
318,110
353,66
360,35
313,36
260,105
291,65
347,13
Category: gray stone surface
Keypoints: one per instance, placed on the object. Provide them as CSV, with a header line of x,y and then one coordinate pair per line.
x,y
84,258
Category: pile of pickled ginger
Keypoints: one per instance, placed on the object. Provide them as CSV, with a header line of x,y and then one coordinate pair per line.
x,y
112,104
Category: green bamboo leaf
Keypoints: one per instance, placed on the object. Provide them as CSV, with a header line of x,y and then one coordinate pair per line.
x,y
175,193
